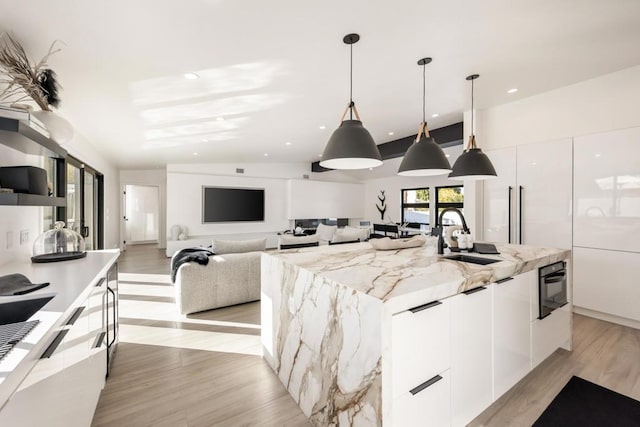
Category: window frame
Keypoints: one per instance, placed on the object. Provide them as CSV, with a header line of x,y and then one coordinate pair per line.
x,y
443,205
404,205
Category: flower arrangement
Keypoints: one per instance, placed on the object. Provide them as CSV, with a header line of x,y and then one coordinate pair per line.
x,y
24,80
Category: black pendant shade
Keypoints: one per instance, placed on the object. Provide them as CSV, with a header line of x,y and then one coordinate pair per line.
x,y
424,157
351,146
472,164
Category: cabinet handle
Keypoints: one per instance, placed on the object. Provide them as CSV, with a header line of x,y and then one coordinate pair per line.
x,y
474,290
506,279
520,214
509,216
425,384
99,340
424,306
115,317
54,345
76,314
100,282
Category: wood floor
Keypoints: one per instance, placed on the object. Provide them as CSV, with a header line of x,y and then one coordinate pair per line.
x,y
206,369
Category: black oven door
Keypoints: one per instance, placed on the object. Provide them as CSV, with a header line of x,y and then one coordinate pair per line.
x,y
552,288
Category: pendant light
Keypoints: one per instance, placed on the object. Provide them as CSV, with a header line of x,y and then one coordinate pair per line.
x,y
472,164
351,145
424,157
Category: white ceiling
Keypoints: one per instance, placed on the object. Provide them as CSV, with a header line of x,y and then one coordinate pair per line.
x,y
277,70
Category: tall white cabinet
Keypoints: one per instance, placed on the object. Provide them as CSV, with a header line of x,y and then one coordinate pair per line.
x,y
530,200
607,223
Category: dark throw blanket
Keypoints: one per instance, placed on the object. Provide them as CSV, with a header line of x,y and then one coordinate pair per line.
x,y
18,284
199,255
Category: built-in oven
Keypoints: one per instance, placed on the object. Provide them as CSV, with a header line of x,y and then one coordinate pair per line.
x,y
552,288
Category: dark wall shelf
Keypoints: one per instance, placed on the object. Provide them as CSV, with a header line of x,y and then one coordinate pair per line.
x,y
21,199
19,136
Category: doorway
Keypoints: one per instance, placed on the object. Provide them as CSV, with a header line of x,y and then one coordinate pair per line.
x,y
141,214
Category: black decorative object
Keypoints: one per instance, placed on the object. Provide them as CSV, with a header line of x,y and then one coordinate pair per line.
x,y
424,157
351,146
24,179
472,164
382,208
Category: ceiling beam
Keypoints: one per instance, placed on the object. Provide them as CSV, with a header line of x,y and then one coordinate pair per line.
x,y
446,136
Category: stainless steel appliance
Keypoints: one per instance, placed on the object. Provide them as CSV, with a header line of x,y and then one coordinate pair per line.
x,y
552,288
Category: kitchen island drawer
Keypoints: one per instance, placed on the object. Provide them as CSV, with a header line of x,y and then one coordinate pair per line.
x,y
421,344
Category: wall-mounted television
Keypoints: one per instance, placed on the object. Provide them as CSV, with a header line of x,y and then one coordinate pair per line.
x,y
225,204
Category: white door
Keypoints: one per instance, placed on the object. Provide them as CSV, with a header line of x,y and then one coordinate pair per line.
x,y
499,197
141,214
544,193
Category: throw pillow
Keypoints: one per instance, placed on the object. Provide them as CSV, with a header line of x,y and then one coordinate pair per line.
x,y
288,239
344,235
363,233
326,232
238,246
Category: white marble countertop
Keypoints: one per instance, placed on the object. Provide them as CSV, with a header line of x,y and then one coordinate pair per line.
x,y
71,281
399,278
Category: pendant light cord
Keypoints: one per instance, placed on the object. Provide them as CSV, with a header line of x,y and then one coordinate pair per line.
x,y
351,82
424,91
472,111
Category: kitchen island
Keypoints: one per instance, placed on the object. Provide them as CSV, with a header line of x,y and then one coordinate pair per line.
x,y
366,337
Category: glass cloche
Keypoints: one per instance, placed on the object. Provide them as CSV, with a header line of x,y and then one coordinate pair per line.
x,y
59,244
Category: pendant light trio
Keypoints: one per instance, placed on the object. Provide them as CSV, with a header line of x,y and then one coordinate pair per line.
x,y
352,147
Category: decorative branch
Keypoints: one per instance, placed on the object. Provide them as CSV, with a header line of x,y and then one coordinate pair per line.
x,y
36,81
382,208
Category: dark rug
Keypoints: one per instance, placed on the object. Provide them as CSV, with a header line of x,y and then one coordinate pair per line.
x,y
585,404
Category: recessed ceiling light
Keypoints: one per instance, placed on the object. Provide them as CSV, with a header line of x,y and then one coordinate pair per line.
x,y
598,155
323,127
370,169
195,154
434,115
191,76
448,155
205,140
391,133
220,119
319,155
287,143
514,90
266,154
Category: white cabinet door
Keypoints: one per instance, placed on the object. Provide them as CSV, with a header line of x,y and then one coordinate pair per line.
x,y
499,197
420,349
471,370
511,331
607,281
550,333
428,407
545,194
606,191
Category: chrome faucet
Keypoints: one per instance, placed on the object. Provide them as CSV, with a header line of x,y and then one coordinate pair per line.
x,y
439,230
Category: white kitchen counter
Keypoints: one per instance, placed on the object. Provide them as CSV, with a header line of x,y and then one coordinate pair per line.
x,y
72,282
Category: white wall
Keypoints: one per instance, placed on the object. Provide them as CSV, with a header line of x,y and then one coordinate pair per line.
x,y
154,177
184,193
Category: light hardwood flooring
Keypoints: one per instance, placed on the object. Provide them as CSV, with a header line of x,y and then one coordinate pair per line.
x,y
206,369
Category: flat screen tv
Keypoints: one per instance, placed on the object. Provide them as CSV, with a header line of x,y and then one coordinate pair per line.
x,y
224,204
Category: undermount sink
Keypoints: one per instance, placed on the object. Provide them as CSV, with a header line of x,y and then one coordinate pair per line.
x,y
471,259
